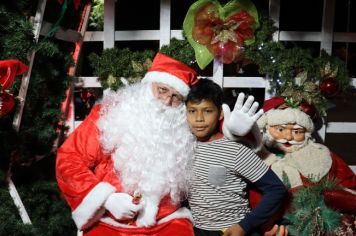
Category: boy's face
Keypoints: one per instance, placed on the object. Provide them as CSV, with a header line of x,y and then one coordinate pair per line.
x,y
203,118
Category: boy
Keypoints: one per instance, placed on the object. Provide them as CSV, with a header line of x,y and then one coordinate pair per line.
x,y
221,171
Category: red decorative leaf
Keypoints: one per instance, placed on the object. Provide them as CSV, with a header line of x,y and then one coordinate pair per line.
x,y
7,102
9,69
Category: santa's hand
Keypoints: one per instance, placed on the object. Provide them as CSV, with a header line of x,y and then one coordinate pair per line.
x,y
121,206
240,121
147,217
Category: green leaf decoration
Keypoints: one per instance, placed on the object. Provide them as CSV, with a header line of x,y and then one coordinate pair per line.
x,y
202,54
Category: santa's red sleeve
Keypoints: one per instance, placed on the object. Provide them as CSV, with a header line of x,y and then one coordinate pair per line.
x,y
84,175
342,172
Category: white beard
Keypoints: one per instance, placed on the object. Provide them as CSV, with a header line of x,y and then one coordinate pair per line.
x,y
151,144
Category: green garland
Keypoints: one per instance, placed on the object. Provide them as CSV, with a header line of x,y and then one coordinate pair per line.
x,y
293,72
180,50
96,18
115,63
310,215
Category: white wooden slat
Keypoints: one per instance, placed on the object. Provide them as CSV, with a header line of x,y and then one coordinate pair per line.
x,y
87,82
353,168
341,127
353,82
299,36
165,23
244,82
94,36
37,23
322,130
268,93
77,123
218,73
345,37
98,36
67,35
327,26
18,202
274,13
130,35
178,34
315,36
135,35
109,24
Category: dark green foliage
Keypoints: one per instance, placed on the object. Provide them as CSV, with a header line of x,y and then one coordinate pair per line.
x,y
35,182
118,63
16,37
48,212
283,65
273,58
180,50
310,216
133,65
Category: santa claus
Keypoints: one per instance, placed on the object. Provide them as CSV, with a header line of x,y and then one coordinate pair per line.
x,y
125,169
295,157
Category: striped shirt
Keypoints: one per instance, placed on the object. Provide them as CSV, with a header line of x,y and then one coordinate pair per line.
x,y
221,170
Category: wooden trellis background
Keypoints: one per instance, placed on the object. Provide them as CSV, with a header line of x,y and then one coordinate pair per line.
x,y
326,37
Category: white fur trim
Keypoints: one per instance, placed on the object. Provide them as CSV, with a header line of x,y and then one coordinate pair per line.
x,y
181,213
285,116
312,161
169,79
91,204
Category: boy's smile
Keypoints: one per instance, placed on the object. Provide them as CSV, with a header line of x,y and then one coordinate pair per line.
x,y
203,118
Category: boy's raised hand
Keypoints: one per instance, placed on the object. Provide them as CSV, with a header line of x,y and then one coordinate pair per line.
x,y
241,120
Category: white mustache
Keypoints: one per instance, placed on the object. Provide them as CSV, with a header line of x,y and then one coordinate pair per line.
x,y
292,142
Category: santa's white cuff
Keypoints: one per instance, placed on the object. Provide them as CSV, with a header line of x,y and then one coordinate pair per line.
x,y
92,203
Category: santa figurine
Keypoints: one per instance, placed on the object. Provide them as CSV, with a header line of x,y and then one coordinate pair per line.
x,y
291,152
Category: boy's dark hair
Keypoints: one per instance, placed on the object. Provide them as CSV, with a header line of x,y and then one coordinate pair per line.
x,y
206,89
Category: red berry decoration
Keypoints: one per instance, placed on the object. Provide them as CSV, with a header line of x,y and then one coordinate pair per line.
x,y
308,109
329,87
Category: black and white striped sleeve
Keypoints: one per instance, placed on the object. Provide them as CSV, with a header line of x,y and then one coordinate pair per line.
x,y
249,165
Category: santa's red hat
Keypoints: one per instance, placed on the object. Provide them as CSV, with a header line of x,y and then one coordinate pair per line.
x,y
276,114
174,73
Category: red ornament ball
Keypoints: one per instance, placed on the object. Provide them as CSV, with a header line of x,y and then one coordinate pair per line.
x,y
309,109
329,87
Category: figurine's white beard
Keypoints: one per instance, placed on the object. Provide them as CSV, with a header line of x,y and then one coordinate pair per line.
x,y
151,144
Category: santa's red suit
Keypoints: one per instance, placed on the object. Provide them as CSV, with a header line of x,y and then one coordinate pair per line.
x,y
86,177
126,145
